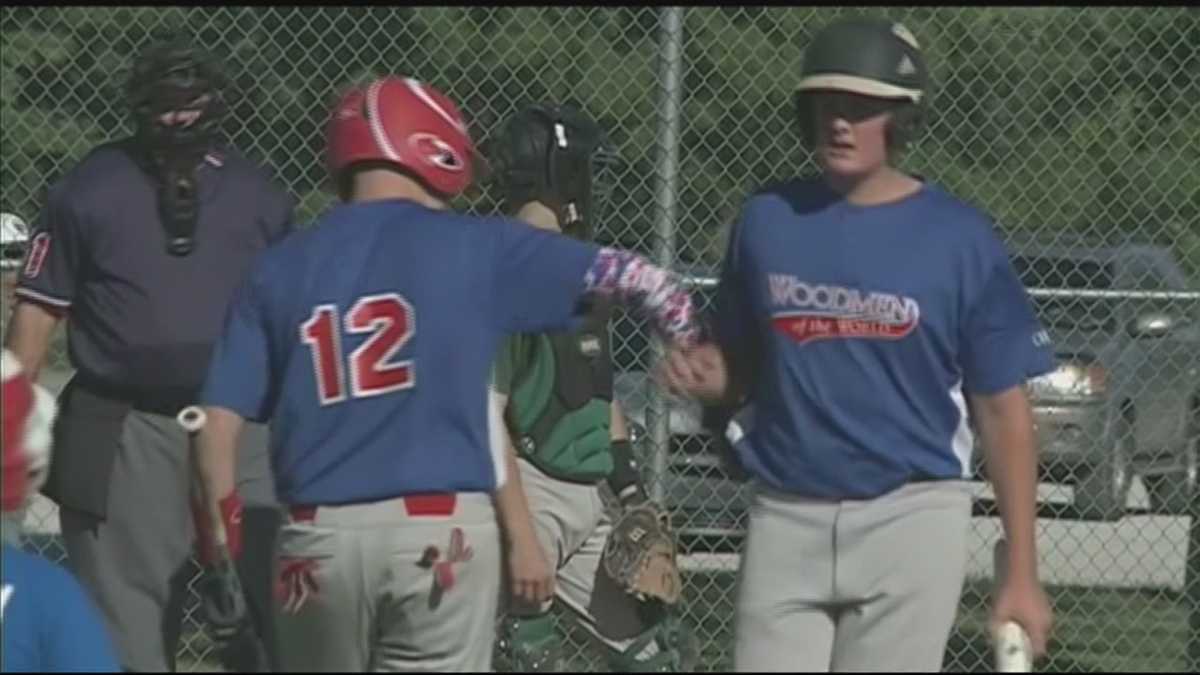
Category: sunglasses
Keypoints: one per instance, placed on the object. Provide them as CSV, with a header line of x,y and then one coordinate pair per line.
x,y
853,108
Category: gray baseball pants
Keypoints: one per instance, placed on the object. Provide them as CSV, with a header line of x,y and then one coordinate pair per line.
x,y
359,587
851,586
136,562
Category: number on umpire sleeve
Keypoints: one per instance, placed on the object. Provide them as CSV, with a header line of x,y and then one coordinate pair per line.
x,y
390,321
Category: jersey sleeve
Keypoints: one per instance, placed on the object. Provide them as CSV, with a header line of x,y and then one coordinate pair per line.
x,y
280,216
239,373
732,324
78,641
539,278
508,360
1004,343
50,273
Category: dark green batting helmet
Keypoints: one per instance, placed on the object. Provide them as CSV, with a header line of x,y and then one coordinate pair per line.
x,y
870,57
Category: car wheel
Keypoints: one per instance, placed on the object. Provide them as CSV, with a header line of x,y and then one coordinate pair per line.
x,y
1171,493
1102,490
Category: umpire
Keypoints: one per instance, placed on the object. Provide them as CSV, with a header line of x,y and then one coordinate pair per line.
x,y
141,246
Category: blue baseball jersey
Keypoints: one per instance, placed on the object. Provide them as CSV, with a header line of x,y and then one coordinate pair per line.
x,y
865,328
49,625
367,341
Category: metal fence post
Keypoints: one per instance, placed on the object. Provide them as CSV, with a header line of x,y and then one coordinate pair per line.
x,y
670,68
1191,585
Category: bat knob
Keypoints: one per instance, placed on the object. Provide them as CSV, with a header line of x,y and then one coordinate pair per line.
x,y
1014,653
192,419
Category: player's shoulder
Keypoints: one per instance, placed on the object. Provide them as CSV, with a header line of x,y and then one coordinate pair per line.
x,y
799,193
25,569
952,210
284,258
958,220
389,213
493,223
779,201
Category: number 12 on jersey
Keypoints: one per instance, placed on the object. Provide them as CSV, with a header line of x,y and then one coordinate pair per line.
x,y
390,321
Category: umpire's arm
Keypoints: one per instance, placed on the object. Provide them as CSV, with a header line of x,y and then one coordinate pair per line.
x,y
29,332
48,279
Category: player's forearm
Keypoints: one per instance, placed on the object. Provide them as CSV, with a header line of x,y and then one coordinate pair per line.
x,y
216,459
516,520
619,430
1006,425
625,479
648,289
29,334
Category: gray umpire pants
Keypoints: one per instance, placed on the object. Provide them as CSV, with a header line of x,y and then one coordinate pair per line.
x,y
852,586
136,563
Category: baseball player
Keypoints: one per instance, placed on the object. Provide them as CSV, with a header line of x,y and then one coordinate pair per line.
x,y
568,435
139,247
47,621
14,237
368,341
860,316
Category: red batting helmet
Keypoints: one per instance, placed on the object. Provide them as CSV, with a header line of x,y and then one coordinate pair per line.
x,y
402,121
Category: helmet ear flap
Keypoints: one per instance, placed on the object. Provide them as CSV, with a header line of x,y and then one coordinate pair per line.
x,y
906,123
802,109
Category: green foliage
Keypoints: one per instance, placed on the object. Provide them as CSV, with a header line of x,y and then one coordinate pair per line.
x,y
1051,119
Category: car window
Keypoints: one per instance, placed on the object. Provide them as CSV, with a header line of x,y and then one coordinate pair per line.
x,y
1063,272
1141,274
1066,313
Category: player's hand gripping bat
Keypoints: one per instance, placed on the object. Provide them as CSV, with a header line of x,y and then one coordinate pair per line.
x,y
224,602
1011,647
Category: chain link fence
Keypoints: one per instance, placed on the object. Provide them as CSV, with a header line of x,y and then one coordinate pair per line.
x,y
1079,130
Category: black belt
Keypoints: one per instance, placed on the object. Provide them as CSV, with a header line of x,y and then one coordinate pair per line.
x,y
166,401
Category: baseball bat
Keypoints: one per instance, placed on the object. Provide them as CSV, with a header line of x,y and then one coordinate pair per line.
x,y
227,606
1011,648
193,419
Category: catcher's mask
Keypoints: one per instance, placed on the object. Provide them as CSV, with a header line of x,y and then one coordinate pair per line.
x,y
557,155
174,77
872,58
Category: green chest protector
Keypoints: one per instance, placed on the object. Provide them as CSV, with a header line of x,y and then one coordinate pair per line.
x,y
560,406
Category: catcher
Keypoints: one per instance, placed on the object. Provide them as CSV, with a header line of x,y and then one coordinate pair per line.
x,y
569,442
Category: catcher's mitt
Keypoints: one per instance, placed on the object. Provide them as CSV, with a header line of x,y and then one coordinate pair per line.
x,y
640,554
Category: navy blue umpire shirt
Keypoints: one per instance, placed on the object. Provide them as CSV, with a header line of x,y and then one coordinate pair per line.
x,y
142,321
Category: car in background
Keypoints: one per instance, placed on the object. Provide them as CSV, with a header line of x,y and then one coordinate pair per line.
x,y
1124,400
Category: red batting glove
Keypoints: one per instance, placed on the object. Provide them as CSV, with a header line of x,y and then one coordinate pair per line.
x,y
231,515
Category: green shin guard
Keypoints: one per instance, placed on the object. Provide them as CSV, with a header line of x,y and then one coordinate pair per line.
x,y
674,650
530,644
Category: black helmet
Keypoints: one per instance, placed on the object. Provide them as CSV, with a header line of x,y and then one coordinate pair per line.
x,y
172,75
871,57
559,156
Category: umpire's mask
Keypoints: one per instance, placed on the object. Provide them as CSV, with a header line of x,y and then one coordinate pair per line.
x,y
175,80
